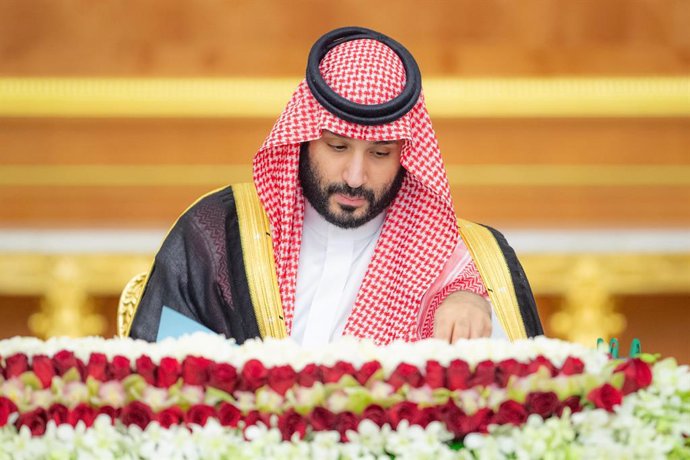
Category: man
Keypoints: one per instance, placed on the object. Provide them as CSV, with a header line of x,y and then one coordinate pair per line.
x,y
359,232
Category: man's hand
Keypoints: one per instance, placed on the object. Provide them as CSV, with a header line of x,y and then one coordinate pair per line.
x,y
462,315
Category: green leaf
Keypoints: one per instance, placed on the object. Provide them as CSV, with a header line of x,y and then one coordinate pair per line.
x,y
93,386
358,399
617,380
30,380
134,385
214,396
347,381
72,375
650,358
456,445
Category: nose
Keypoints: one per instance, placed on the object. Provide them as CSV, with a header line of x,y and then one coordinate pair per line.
x,y
354,173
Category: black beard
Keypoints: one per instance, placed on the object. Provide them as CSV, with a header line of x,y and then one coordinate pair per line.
x,y
318,197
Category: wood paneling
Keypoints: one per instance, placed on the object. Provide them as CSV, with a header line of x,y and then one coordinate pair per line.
x,y
466,141
272,37
632,142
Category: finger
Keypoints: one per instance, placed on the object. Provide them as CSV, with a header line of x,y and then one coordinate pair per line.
x,y
461,330
476,330
481,328
488,329
443,330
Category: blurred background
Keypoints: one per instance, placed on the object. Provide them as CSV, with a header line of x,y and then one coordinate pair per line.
x,y
564,123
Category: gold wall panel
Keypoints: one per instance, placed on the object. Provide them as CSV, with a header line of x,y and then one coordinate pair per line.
x,y
272,37
256,97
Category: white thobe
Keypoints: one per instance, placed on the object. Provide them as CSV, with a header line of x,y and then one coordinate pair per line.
x,y
332,265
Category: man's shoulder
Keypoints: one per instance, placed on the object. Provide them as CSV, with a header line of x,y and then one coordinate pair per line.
x,y
210,210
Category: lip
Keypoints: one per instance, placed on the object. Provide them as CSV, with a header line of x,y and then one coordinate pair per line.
x,y
349,201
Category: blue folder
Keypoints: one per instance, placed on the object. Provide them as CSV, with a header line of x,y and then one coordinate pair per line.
x,y
174,324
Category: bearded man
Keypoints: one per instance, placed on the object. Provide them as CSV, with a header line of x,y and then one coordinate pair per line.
x,y
348,227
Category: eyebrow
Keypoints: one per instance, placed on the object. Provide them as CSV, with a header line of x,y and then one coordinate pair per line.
x,y
344,137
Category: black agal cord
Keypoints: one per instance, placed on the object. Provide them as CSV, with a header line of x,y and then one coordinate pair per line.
x,y
363,114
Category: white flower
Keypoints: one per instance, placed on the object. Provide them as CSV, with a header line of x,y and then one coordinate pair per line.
x,y
155,398
74,393
112,393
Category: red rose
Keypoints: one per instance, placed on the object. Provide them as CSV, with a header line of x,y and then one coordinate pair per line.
x,y
507,369
229,415
170,416
120,367
222,376
136,413
404,410
406,374
484,374
477,422
254,375
44,369
290,423
97,367
58,413
376,414
451,415
83,412
281,378
366,371
321,419
435,374
333,374
195,370
146,368
542,403
254,417
345,421
540,361
573,402
16,365
168,372
36,420
458,375
199,414
425,416
510,412
110,411
572,366
7,407
638,375
64,360
308,375
605,397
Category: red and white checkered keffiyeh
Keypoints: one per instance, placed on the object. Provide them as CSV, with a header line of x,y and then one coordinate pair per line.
x,y
420,231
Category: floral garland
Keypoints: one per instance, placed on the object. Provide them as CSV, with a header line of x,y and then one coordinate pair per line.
x,y
351,399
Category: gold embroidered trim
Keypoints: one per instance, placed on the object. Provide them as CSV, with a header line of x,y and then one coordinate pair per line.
x,y
259,261
495,273
129,302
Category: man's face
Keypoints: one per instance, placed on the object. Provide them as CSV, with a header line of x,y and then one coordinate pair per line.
x,y
349,181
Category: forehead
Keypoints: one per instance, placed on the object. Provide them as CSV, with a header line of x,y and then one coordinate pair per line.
x,y
330,134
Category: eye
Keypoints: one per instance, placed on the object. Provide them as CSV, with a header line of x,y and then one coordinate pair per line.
x,y
381,154
337,147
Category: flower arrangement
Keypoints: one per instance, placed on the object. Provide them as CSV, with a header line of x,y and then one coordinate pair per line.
x,y
202,396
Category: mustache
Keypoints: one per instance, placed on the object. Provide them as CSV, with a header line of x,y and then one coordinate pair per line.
x,y
344,189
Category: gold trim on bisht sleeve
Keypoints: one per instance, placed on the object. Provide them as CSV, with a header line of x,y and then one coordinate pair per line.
x,y
129,303
495,273
259,261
